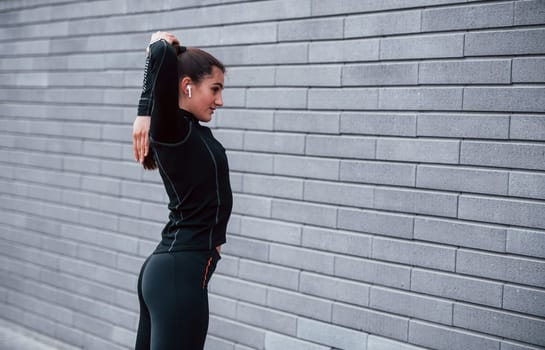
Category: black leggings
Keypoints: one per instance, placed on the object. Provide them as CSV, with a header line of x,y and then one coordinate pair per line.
x,y
173,295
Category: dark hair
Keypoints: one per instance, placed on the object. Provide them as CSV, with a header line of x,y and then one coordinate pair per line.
x,y
195,64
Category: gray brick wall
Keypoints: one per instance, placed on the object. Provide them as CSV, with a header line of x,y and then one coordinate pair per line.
x,y
387,159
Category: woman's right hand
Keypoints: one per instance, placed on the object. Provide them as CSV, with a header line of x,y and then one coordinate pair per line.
x,y
169,37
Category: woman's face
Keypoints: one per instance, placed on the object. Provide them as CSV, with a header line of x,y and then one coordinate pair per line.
x,y
206,95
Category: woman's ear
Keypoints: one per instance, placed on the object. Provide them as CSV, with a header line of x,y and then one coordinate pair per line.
x,y
185,85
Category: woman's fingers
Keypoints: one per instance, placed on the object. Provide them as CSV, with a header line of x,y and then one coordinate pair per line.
x,y
135,147
169,37
140,138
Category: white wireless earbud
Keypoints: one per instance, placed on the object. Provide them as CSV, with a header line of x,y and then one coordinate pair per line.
x,y
189,91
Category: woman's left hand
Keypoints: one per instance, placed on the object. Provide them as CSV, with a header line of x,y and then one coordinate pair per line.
x,y
140,139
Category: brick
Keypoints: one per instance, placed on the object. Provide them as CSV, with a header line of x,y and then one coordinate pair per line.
x,y
346,98
299,304
419,150
452,286
418,98
468,17
251,12
273,186
459,233
382,24
421,202
503,211
305,259
247,248
465,72
324,7
378,123
48,177
409,304
370,321
512,154
250,76
276,341
526,242
336,241
315,122
343,146
514,346
235,331
250,162
344,51
508,42
274,142
335,193
527,127
230,139
220,306
500,267
529,12
375,342
381,74
283,53
270,230
69,335
99,238
33,47
252,205
334,288
414,253
466,126
309,75
512,99
259,33
371,221
114,168
234,288
371,271
236,181
526,300
332,335
462,179
269,274
443,338
311,167
268,319
526,184
311,29
101,149
315,214
228,267
508,325
292,98
37,30
139,190
425,46
528,70
378,172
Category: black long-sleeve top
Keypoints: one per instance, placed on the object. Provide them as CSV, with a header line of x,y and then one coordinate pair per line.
x,y
192,163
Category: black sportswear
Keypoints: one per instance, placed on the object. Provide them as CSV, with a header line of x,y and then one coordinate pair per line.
x,y
192,163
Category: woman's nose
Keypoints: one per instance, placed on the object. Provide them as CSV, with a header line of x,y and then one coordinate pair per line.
x,y
219,100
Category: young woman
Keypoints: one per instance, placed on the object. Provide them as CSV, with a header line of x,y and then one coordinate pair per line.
x,y
182,87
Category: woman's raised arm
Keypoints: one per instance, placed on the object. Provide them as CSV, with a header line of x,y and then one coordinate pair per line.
x,y
159,97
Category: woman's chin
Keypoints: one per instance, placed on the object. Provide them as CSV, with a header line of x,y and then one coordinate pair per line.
x,y
205,118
